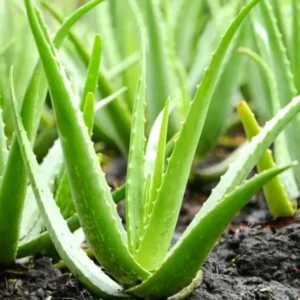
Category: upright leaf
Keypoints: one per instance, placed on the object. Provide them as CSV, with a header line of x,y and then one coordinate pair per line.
x,y
93,70
275,193
155,159
135,173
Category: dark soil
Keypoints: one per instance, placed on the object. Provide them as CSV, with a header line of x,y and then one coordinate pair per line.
x,y
39,280
254,263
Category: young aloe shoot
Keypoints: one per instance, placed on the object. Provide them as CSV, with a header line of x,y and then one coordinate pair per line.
x,y
275,193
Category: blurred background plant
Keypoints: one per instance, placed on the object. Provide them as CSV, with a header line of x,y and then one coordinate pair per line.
x,y
181,35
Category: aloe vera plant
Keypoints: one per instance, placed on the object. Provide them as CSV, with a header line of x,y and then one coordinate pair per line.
x,y
137,259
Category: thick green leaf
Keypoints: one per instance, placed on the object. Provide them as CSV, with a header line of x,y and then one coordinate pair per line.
x,y
135,180
89,112
155,159
275,193
158,235
91,194
87,105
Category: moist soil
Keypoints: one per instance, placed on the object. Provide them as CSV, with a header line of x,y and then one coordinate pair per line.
x,y
256,258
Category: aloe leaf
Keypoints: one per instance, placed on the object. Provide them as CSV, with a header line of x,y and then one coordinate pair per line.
x,y
93,70
276,196
135,172
155,158
185,259
64,196
99,219
89,112
14,187
278,13
87,105
75,258
161,227
280,60
3,145
37,89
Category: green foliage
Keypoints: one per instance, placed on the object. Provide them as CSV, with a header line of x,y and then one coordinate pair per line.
x,y
68,190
